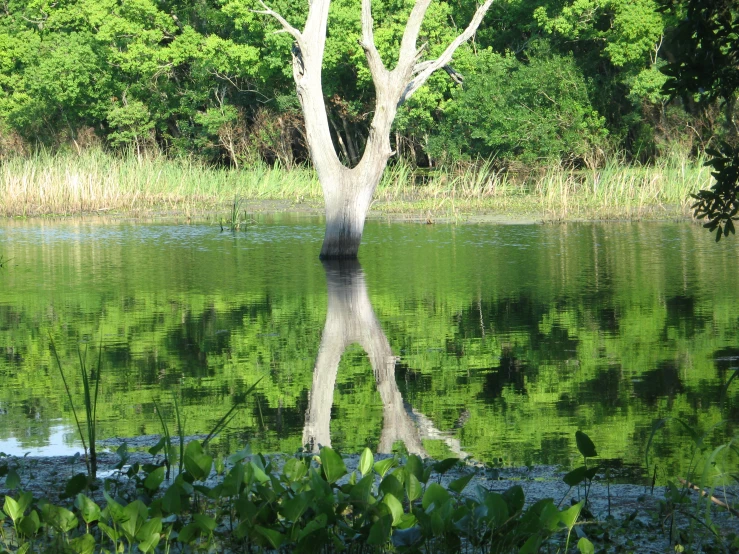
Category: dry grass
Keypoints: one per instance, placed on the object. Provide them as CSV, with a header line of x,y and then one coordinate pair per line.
x,y
98,182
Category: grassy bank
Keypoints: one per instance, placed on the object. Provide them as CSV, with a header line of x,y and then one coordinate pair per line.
x,y
64,184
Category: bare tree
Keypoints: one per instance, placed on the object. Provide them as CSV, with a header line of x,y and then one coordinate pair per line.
x,y
348,192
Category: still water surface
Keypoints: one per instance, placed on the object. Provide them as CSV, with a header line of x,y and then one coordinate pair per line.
x,y
497,342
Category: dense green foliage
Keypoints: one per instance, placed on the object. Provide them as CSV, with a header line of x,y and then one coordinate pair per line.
x,y
308,503
544,80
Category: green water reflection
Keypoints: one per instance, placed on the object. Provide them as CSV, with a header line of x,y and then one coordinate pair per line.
x,y
502,341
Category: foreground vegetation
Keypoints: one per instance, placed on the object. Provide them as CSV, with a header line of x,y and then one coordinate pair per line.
x,y
100,182
312,503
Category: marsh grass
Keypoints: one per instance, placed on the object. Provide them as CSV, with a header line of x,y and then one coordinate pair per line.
x,y
99,182
95,181
90,400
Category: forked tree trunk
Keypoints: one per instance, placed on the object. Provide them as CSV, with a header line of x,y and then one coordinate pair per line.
x,y
348,192
350,319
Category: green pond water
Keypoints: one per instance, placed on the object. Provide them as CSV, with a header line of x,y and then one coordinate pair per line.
x,y
495,341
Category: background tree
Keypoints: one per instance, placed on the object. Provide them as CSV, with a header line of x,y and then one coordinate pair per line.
x,y
706,69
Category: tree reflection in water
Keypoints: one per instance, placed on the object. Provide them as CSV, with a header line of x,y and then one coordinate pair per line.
x,y
351,319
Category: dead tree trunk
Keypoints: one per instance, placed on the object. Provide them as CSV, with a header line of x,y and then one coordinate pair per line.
x,y
348,192
351,319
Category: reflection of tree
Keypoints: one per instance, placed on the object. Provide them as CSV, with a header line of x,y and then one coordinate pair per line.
x,y
351,319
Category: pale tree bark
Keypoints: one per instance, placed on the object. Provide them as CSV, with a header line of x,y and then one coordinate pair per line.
x,y
351,319
348,192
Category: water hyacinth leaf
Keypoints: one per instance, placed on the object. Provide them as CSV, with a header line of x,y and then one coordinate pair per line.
x,y
135,515
592,472
380,531
366,461
396,508
531,546
332,464
576,476
58,517
318,484
584,445
88,509
383,466
154,479
458,485
154,450
274,538
83,545
569,516
13,480
75,485
585,546
435,494
413,488
197,462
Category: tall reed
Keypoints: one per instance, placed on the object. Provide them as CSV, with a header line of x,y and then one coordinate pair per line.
x,y
90,399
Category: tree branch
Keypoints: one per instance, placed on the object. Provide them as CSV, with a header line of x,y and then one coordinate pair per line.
x,y
377,68
408,52
287,28
428,67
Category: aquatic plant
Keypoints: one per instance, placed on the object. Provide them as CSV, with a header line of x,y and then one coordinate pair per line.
x,y
90,399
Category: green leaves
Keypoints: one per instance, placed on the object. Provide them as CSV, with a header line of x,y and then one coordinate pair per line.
x,y
332,465
584,445
197,462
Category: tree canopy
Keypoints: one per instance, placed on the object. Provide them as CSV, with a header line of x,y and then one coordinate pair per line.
x,y
212,80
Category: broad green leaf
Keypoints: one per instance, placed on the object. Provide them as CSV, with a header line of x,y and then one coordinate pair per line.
x,y
12,509
435,494
275,538
206,523
197,462
293,508
585,445
550,517
396,508
112,534
314,525
414,466
569,516
87,507
188,533
29,525
360,493
380,531
294,469
13,480
366,460
445,465
383,466
154,479
332,464
515,498
149,534
497,509
391,485
172,500
458,485
75,485
585,546
83,545
576,476
413,488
